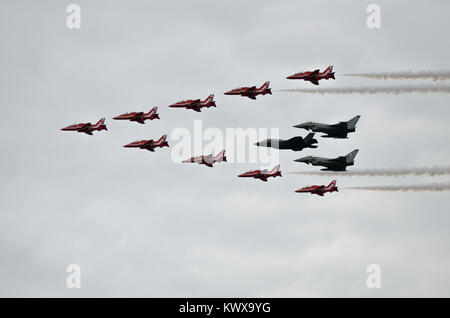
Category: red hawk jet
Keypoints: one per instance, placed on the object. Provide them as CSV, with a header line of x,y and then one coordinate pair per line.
x,y
196,104
251,92
139,117
208,160
150,145
314,76
87,128
319,190
262,174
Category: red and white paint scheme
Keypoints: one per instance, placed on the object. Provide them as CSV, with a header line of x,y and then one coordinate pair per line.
x,y
208,160
149,145
139,117
314,76
319,190
262,174
87,128
196,104
251,92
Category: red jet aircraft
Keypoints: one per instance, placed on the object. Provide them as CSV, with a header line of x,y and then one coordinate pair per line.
x,y
150,145
87,128
251,92
262,174
314,76
208,160
139,117
196,104
319,190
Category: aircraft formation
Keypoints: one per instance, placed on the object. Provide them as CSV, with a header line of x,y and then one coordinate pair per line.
x,y
339,130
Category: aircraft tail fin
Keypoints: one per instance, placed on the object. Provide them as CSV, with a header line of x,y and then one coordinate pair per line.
x,y
351,156
332,184
351,124
154,112
163,139
99,123
329,70
210,98
265,85
220,157
309,137
275,169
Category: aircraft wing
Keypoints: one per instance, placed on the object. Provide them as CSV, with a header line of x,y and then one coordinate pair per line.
x,y
263,178
87,132
337,164
341,125
85,127
149,143
342,167
195,102
315,72
250,92
336,134
319,188
197,109
208,164
337,131
138,117
314,81
251,89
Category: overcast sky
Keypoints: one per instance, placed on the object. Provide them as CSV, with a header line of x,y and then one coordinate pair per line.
x,y
140,224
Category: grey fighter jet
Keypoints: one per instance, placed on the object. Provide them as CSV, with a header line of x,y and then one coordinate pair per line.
x,y
339,130
337,164
296,143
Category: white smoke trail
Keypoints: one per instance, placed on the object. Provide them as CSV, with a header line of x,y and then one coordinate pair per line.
x,y
435,76
417,171
418,187
373,90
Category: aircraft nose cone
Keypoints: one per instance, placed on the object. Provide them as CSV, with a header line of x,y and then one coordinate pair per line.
x,y
290,77
301,160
